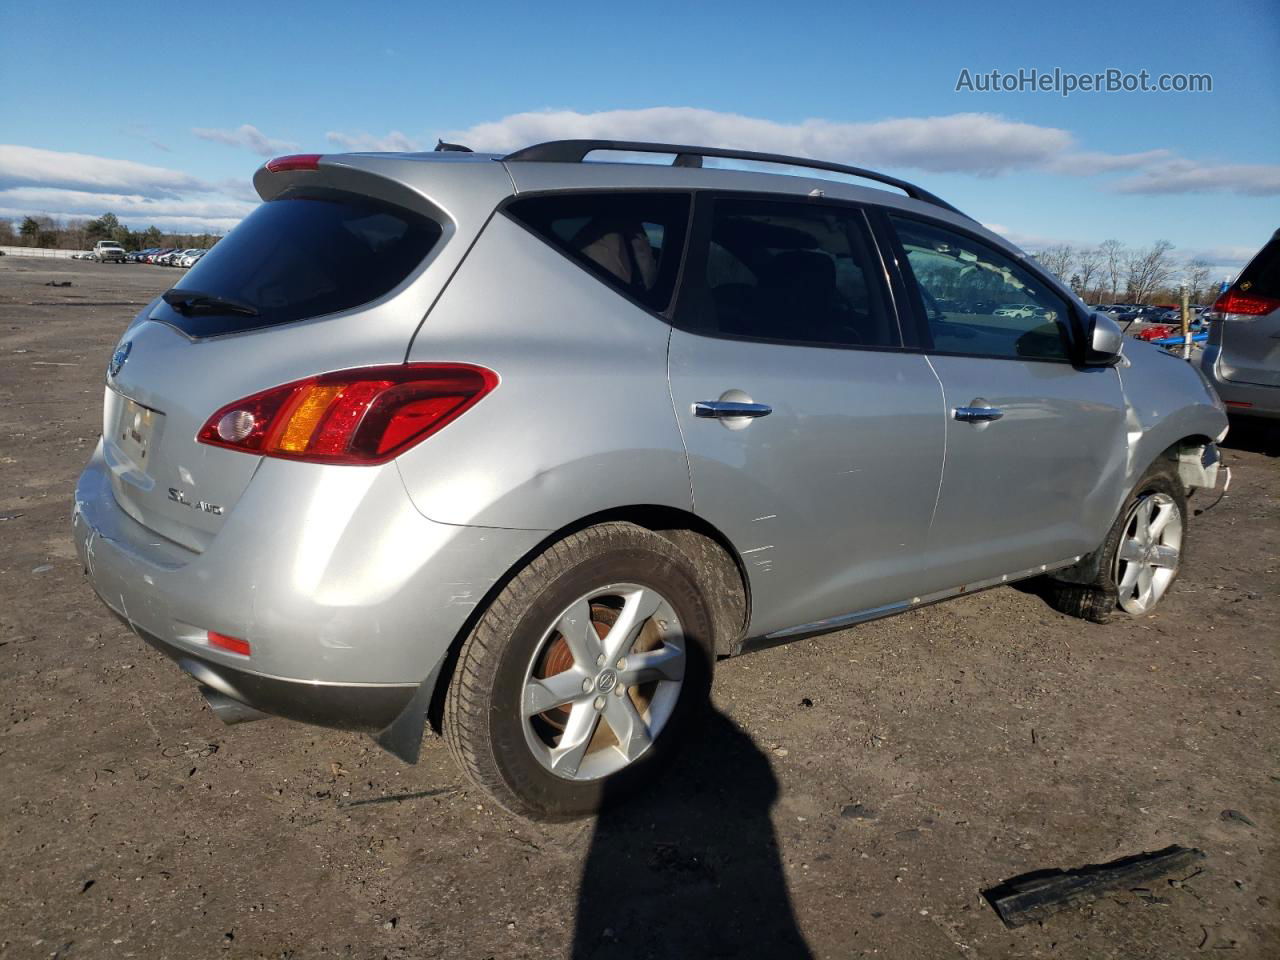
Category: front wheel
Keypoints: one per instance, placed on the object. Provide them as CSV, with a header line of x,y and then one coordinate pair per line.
x,y
583,675
1141,557
1148,552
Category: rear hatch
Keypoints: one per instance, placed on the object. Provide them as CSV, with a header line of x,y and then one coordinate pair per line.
x,y
314,280
1246,326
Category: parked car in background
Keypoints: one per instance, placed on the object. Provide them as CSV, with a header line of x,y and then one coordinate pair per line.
x,y
140,256
1015,310
1242,356
108,251
83,255
653,414
190,258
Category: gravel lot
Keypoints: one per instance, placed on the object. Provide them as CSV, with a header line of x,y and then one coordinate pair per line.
x,y
982,738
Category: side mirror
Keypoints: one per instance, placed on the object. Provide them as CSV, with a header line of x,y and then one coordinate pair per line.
x,y
1105,341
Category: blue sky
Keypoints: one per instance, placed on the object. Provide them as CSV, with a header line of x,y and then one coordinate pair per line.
x,y
161,112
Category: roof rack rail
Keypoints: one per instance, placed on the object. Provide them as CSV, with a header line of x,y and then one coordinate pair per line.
x,y
575,151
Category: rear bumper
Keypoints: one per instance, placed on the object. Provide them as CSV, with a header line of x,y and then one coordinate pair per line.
x,y
348,596
369,707
1242,399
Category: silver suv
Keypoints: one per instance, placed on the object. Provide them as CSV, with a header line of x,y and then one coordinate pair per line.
x,y
521,445
1242,357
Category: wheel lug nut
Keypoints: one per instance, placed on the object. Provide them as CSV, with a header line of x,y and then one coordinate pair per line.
x,y
622,663
587,684
600,703
620,689
600,660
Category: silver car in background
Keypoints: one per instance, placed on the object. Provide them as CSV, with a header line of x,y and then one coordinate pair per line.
x,y
1242,356
520,446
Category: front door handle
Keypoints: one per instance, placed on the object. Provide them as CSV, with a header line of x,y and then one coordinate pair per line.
x,y
730,409
978,414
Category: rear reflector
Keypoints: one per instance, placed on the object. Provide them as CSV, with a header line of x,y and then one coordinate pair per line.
x,y
364,416
294,161
1237,403
221,641
1233,301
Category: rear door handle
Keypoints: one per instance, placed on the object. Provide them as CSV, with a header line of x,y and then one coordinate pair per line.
x,y
978,414
728,409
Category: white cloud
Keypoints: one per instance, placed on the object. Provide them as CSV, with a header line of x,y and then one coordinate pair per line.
x,y
247,136
58,184
393,142
1179,175
976,143
81,171
981,144
1087,164
1231,255
123,205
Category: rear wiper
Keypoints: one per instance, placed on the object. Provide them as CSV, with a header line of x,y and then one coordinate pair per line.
x,y
191,301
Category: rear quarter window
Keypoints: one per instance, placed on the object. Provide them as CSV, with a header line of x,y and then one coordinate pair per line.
x,y
631,241
303,255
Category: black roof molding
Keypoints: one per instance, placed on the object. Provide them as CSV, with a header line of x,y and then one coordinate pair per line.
x,y
575,151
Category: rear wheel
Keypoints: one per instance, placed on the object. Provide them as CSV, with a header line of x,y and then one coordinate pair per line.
x,y
583,675
1141,557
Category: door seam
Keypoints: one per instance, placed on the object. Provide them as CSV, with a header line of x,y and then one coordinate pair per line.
x,y
675,413
946,431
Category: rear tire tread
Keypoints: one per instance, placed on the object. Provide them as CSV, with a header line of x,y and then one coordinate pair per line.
x,y
467,708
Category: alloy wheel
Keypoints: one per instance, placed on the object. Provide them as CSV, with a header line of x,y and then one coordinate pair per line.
x,y
1150,546
603,681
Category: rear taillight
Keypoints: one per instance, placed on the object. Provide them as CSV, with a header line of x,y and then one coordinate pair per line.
x,y
363,416
294,161
1233,301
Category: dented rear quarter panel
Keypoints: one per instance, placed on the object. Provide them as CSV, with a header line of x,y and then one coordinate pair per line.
x,y
581,420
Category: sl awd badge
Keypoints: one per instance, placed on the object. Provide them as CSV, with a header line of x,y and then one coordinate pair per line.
x,y
178,496
118,358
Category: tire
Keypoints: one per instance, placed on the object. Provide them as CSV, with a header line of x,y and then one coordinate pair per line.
x,y
1112,591
635,597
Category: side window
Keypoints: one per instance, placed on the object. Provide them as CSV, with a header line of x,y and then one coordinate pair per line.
x,y
631,241
777,270
980,302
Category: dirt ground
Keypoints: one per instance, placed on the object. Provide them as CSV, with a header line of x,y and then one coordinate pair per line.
x,y
851,796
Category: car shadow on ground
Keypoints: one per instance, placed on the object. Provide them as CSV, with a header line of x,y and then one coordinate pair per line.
x,y
691,867
1254,434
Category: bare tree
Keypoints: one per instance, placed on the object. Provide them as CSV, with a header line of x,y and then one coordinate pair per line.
x,y
1057,260
1147,271
1198,279
1089,264
1113,256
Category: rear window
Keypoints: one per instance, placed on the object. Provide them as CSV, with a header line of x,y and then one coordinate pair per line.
x,y
1261,277
301,255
